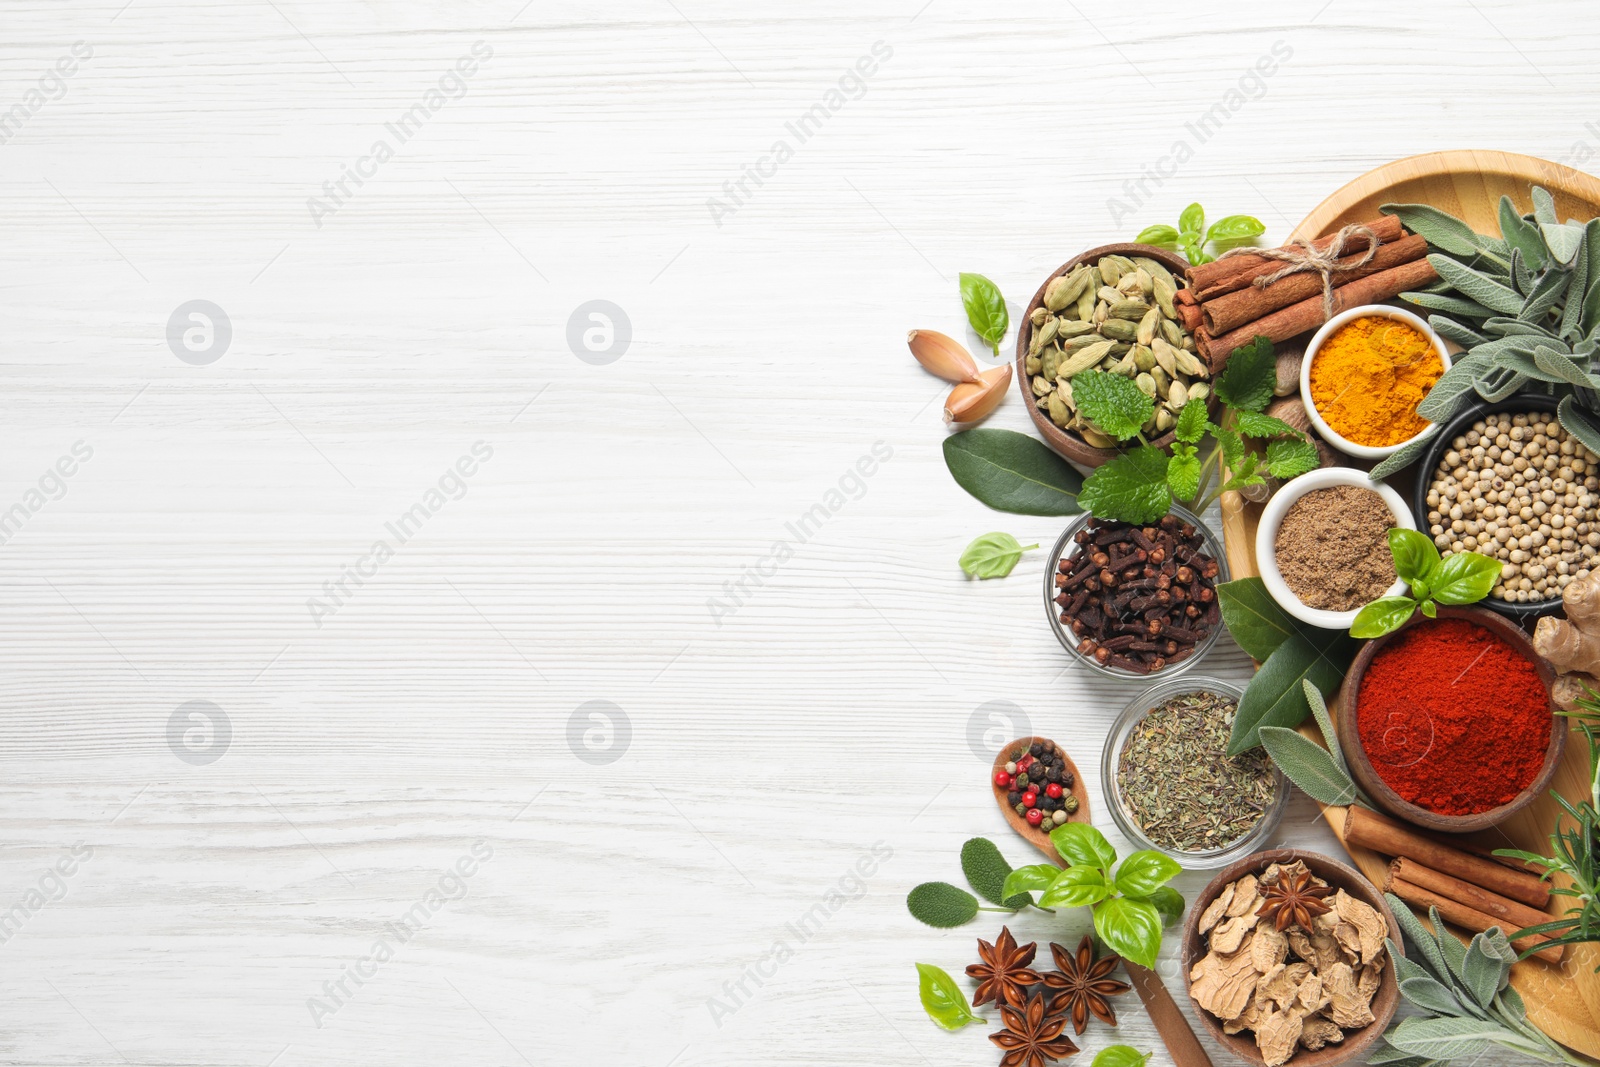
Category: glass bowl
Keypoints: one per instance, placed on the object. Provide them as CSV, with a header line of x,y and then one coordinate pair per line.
x,y
1064,548
1254,840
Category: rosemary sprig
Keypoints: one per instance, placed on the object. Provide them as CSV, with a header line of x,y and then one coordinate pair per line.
x,y
1574,847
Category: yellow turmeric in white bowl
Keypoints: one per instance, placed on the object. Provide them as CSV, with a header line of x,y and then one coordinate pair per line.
x,y
1364,373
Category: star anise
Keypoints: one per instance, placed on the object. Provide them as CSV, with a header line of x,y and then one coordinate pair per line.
x,y
1082,985
1003,975
1032,1035
1294,900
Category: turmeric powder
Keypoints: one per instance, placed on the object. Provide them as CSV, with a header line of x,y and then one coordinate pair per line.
x,y
1368,378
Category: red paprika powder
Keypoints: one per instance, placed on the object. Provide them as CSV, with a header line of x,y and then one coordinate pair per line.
x,y
1453,718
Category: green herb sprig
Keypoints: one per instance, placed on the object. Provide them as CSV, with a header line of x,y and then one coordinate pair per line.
x,y
1456,579
1574,849
1191,235
1464,992
993,555
986,309
1141,484
1131,905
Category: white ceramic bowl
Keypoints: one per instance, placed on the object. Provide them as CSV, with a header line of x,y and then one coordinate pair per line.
x,y
1382,311
1272,518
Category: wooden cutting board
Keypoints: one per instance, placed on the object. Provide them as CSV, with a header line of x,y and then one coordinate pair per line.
x,y
1564,1000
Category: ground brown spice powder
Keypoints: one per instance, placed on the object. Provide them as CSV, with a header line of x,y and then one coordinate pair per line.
x,y
1333,548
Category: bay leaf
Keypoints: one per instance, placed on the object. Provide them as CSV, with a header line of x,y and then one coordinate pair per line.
x,y
1255,620
1275,696
1013,472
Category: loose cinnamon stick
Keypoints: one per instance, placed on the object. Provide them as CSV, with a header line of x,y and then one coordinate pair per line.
x,y
1453,911
1235,272
1362,827
1465,846
1296,319
1513,916
1252,302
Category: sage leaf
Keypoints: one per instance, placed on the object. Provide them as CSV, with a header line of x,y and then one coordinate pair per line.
x,y
1563,241
1395,462
1013,472
1120,1056
1130,928
1451,330
1255,620
1563,368
942,999
986,870
1481,974
1521,235
941,904
1496,384
1452,305
1580,422
1384,615
986,309
993,555
1389,1056
1457,382
1276,697
1546,291
1572,313
1442,231
1330,736
1145,871
1308,765
1446,1038
1544,205
1430,995
1082,845
1490,294
1113,403
1418,937
1076,887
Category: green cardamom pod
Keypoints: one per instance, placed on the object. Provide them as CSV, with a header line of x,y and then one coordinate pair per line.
x,y
1038,316
1109,270
1119,329
1165,292
1060,414
1041,386
1148,324
1172,333
1156,270
1083,359
1132,310
1144,357
1085,311
1033,364
1070,328
1044,335
1065,289
1146,384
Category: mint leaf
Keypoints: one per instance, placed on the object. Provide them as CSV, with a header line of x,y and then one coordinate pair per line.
x,y
1232,445
1191,422
1113,403
1291,458
1255,424
1131,487
1247,379
1183,472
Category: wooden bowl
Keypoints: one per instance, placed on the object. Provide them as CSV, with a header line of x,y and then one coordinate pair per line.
x,y
1356,1042
1038,836
1366,775
1065,442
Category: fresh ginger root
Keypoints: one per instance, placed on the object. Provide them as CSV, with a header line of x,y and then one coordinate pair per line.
x,y
1571,688
1572,645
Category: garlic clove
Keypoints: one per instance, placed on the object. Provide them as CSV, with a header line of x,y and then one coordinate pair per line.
x,y
971,401
943,356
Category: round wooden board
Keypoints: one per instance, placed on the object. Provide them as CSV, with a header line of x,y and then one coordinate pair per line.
x,y
1562,1001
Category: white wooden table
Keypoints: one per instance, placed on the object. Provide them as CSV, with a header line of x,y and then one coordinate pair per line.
x,y
407,734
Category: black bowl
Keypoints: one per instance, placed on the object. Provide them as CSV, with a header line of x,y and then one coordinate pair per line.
x,y
1524,614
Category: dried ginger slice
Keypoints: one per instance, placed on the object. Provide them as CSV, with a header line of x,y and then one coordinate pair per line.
x,y
1318,1033
1346,1006
1223,985
1244,896
1214,911
1268,948
1229,937
1369,924
1278,1035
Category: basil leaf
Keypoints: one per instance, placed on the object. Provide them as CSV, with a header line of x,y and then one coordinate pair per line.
x,y
1308,765
1033,878
1382,616
1235,228
1169,902
1291,458
942,999
1465,578
1130,928
1275,696
1131,487
1013,472
1082,845
1429,608
1158,235
1190,245
987,871
986,308
941,904
1183,471
1076,887
1246,381
1415,555
1120,1056
1255,620
1191,422
1192,221
993,555
1145,871
1113,403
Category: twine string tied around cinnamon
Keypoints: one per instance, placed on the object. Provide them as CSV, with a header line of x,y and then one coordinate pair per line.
x,y
1300,256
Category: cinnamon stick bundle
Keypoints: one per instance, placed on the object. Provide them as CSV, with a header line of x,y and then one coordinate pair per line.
x,y
1513,916
1453,911
1231,273
1252,302
1306,315
1369,830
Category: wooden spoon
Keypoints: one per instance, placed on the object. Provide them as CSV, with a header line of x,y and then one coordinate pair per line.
x,y
1174,1028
